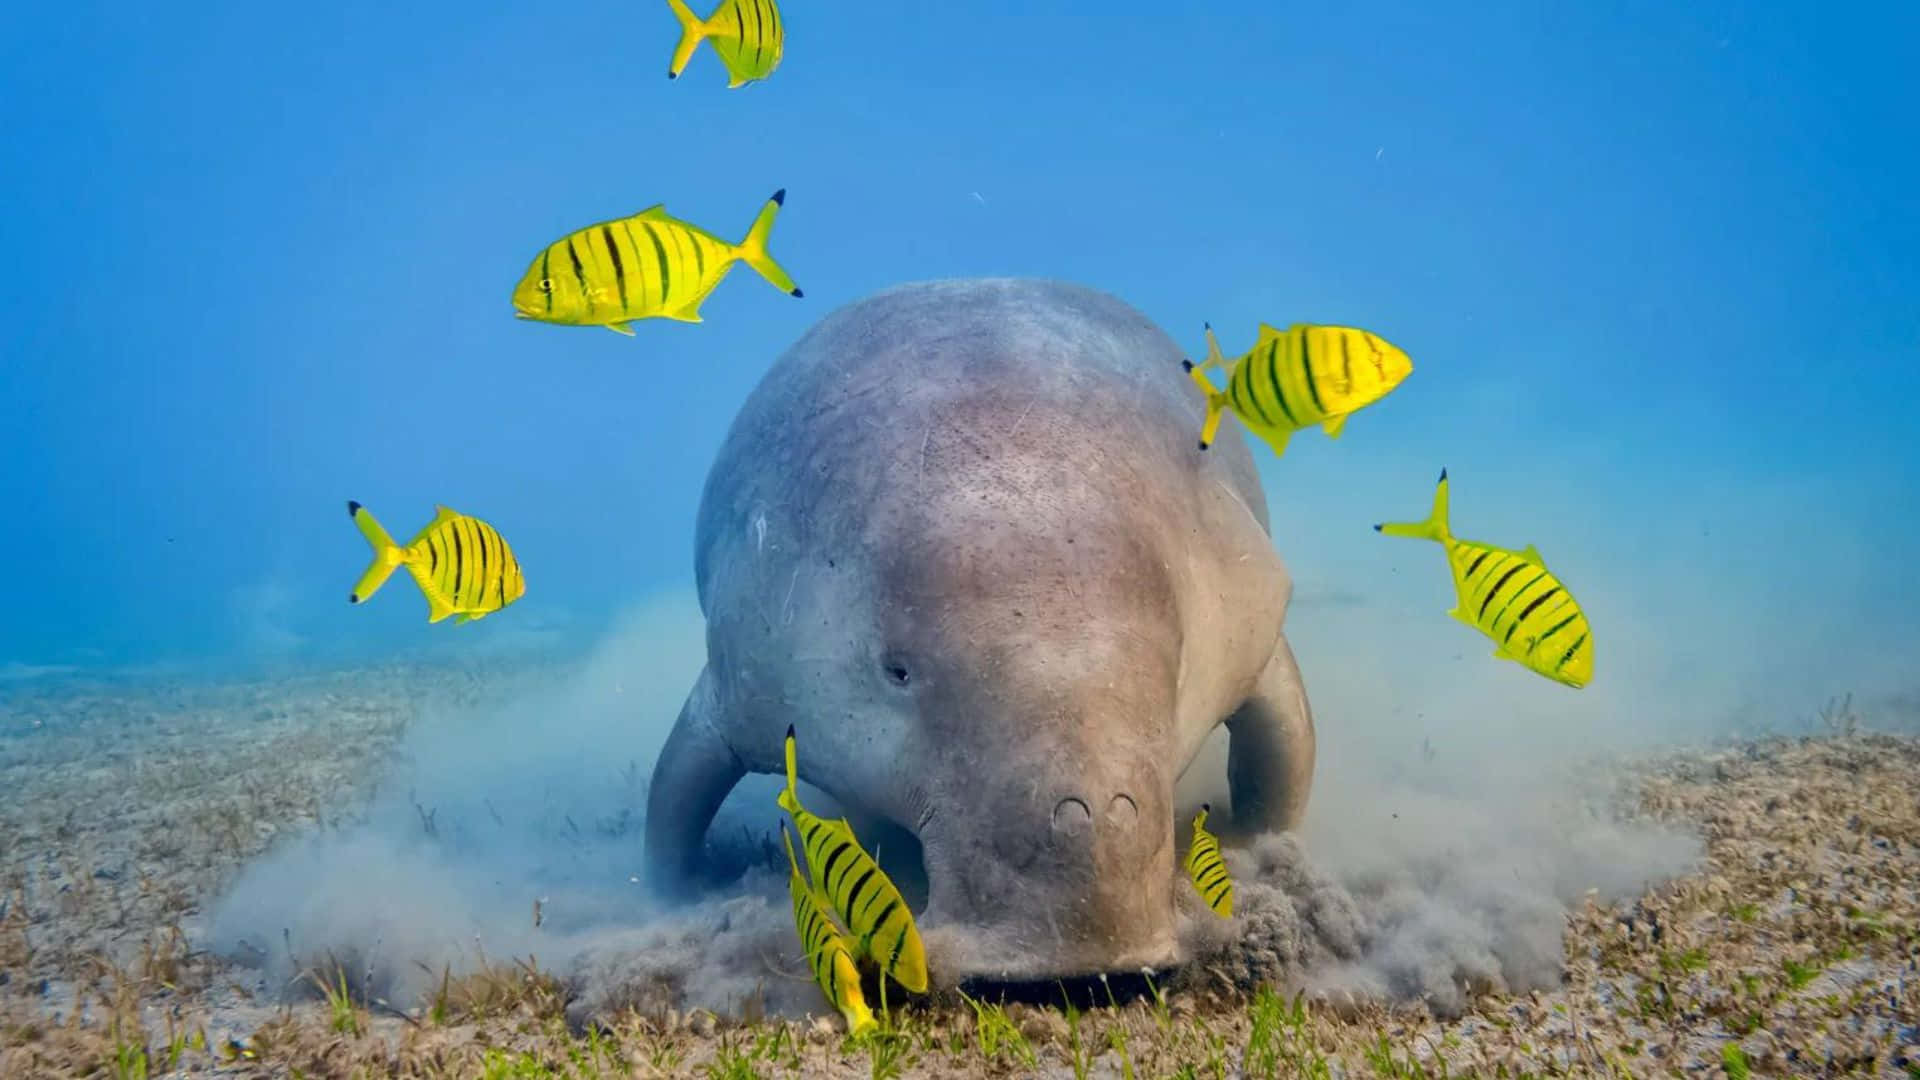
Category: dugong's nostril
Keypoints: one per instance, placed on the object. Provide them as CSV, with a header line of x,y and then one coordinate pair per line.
x,y
1122,811
1071,816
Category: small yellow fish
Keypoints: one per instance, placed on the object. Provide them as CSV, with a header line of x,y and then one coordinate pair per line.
x,y
644,266
829,952
1299,377
461,563
746,33
861,893
1207,869
1510,597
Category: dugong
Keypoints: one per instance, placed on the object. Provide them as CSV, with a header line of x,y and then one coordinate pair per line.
x,y
963,537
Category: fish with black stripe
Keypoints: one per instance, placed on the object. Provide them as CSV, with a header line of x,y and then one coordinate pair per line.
x,y
829,951
648,265
1298,377
461,563
862,895
1511,597
748,35
1207,869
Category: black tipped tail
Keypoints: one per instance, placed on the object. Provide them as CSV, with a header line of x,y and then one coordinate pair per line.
x,y
780,197
1443,472
1203,446
1186,365
352,508
1206,808
353,598
1377,528
796,292
789,731
673,75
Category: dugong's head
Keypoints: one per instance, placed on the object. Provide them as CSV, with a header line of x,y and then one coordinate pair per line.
x,y
1028,648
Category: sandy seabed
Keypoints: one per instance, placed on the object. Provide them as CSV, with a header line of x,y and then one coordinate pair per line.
x,y
130,808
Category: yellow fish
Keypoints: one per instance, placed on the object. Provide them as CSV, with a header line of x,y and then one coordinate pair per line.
x,y
1512,598
746,33
649,265
861,893
829,952
461,563
1207,869
1299,377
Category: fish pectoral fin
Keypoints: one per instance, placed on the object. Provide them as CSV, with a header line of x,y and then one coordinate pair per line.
x,y
1333,425
620,328
465,617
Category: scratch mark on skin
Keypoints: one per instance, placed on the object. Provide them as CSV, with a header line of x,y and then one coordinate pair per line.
x,y
1011,432
920,481
1235,496
760,534
786,606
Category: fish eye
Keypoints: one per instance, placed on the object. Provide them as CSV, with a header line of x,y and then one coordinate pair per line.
x,y
546,284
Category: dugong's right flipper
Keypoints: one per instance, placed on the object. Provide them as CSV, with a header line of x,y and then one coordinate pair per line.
x,y
691,778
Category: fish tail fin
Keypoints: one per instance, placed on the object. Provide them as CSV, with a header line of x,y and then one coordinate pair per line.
x,y
387,555
1214,355
1215,399
753,250
790,795
692,32
1434,528
786,837
858,1014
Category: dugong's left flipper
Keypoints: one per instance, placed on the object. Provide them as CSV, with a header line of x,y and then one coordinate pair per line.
x,y
1270,749
691,778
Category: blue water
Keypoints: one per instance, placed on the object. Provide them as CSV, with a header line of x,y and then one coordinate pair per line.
x,y
1655,263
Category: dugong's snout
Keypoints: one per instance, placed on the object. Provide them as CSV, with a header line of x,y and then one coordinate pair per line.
x,y
1069,880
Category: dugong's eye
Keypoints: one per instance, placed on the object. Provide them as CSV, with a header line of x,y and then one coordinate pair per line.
x,y
897,673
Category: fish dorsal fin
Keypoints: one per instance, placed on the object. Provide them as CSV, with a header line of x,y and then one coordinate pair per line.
x,y
1267,331
444,513
1532,555
657,210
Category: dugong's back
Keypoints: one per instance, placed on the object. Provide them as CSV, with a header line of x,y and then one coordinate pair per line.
x,y
851,406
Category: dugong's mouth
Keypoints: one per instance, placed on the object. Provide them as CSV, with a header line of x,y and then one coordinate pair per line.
x,y
1010,917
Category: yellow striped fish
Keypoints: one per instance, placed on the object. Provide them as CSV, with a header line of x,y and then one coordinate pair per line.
x,y
860,892
829,952
746,33
1207,869
645,266
461,563
1299,377
1512,598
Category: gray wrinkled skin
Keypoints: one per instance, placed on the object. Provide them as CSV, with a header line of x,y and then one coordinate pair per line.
x,y
962,536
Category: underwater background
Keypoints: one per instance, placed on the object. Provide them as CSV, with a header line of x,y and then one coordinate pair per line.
x,y
1657,267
